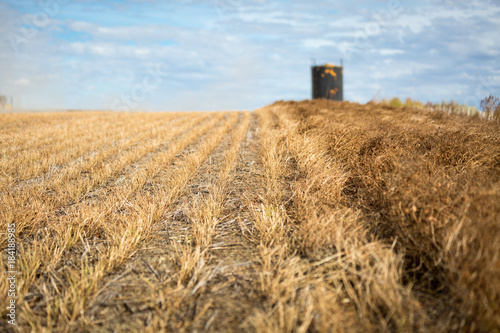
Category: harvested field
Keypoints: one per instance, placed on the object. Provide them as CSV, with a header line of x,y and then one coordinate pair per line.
x,y
312,216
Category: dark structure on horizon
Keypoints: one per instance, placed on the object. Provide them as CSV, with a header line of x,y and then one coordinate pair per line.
x,y
327,82
6,103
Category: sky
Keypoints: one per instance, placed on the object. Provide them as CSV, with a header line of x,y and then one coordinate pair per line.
x,y
186,55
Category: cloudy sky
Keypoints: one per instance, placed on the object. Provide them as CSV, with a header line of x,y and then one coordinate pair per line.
x,y
243,54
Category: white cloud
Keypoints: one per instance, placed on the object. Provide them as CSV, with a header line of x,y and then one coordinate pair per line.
x,y
389,52
317,43
22,82
101,49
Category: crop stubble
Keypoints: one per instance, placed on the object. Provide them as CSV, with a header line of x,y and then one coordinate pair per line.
x,y
298,217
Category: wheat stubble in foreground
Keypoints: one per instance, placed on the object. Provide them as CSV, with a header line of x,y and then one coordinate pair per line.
x,y
298,217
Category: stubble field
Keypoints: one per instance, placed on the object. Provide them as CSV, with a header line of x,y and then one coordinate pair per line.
x,y
312,216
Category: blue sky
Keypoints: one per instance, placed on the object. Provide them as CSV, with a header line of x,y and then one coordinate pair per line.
x,y
236,54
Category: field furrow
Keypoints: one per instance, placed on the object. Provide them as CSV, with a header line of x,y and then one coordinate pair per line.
x,y
20,123
49,134
117,219
91,152
202,191
32,161
35,205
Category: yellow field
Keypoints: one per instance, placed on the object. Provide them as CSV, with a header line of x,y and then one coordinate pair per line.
x,y
298,217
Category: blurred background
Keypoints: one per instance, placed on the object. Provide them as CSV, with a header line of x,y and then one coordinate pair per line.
x,y
235,54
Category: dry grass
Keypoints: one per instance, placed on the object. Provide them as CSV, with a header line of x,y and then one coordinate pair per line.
x,y
428,183
114,219
361,274
206,213
301,217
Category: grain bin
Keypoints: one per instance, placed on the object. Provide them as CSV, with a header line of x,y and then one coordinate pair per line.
x,y
327,82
